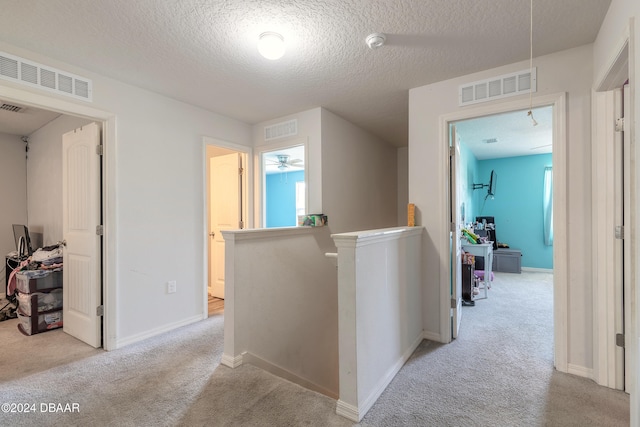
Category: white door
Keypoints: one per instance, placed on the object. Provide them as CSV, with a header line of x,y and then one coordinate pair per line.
x,y
454,234
225,190
626,250
82,277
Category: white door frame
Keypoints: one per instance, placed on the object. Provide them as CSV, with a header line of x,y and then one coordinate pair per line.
x,y
456,227
560,253
606,214
109,191
247,201
622,64
260,183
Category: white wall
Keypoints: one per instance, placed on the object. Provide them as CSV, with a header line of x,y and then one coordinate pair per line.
x,y
13,193
281,304
379,311
612,34
359,177
158,210
621,23
309,133
44,171
569,71
403,184
351,174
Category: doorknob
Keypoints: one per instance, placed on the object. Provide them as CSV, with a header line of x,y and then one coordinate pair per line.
x,y
63,243
212,234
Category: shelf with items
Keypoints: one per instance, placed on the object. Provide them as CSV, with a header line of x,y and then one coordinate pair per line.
x,y
39,300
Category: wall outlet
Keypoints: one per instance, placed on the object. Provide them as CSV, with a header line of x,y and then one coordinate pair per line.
x,y
171,286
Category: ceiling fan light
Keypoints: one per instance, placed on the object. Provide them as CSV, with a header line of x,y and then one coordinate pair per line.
x,y
271,45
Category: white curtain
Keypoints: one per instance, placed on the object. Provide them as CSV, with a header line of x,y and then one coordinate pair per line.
x,y
547,206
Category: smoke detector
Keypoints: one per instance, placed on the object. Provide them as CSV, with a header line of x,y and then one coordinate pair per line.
x,y
375,40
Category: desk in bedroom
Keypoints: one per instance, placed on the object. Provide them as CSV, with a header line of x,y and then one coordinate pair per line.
x,y
484,250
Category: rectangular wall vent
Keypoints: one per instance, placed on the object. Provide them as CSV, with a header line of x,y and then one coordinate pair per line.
x,y
10,107
281,130
29,73
498,87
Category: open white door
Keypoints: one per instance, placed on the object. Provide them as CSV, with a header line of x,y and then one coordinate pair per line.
x,y
627,259
226,208
454,233
82,278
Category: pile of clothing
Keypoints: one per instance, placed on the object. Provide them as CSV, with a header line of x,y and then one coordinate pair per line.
x,y
49,257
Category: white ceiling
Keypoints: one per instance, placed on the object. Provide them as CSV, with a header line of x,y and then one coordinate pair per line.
x,y
22,122
204,51
295,161
513,132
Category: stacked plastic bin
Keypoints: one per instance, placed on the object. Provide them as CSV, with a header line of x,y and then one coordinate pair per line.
x,y
39,300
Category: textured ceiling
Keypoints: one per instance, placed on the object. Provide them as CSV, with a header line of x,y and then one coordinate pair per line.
x,y
508,134
204,51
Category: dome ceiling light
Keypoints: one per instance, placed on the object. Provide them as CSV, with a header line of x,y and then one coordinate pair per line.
x,y
271,45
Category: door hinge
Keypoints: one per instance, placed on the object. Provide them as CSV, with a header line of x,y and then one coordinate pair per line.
x,y
454,303
100,310
100,150
100,230
452,227
620,340
240,171
620,125
241,225
452,150
620,232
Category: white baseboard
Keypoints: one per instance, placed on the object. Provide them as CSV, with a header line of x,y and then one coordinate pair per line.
x,y
152,333
356,413
348,411
431,336
580,371
258,362
230,361
537,270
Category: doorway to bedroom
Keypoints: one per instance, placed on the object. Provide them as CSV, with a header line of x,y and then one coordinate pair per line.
x,y
227,209
54,152
503,182
506,175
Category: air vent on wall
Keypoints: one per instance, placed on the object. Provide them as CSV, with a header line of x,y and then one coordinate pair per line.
x,y
10,107
281,130
29,73
498,87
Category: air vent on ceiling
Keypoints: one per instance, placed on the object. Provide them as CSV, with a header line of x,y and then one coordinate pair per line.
x,y
29,73
281,130
10,107
498,87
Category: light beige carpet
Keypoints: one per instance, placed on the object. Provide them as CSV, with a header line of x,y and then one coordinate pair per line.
x,y
499,372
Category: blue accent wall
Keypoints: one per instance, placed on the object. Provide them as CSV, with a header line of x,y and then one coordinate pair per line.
x,y
281,198
517,205
468,175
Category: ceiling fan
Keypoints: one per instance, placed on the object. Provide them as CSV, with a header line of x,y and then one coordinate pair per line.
x,y
283,162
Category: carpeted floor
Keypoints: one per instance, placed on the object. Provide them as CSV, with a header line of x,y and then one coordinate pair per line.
x,y
499,372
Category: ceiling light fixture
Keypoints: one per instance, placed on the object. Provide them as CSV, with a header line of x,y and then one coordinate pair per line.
x,y
271,45
530,112
375,40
